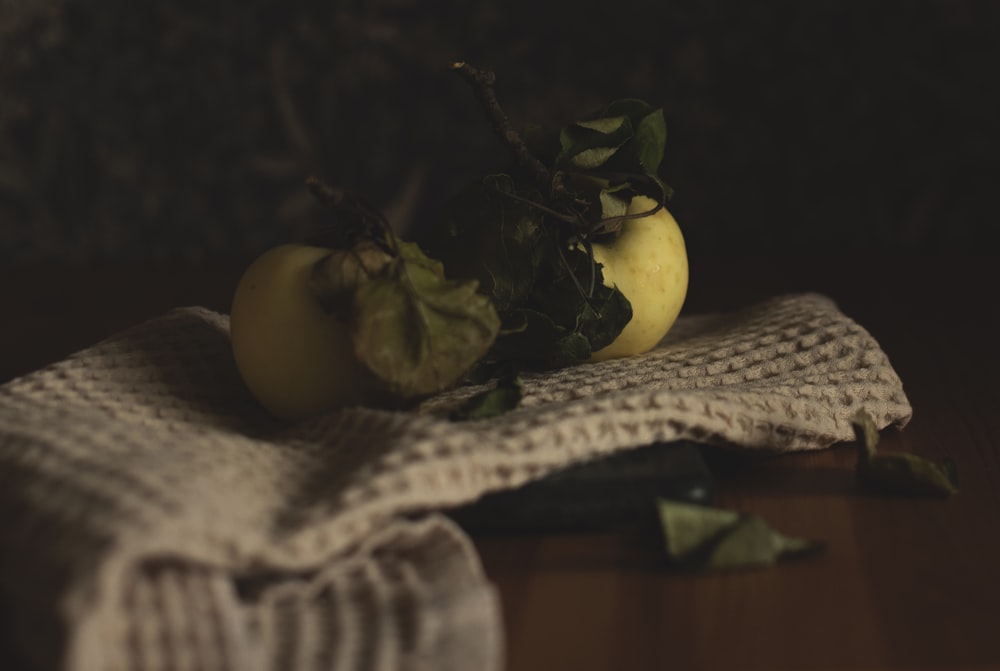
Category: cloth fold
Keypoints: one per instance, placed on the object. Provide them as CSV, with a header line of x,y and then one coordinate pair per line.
x,y
154,517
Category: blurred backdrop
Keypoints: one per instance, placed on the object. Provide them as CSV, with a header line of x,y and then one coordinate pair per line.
x,y
186,129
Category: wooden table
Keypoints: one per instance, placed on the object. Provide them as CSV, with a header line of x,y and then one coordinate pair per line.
x,y
904,583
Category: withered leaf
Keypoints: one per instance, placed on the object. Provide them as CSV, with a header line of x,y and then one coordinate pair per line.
x,y
416,331
898,472
702,538
335,278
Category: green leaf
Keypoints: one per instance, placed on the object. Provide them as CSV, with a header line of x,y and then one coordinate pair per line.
x,y
604,316
606,125
496,237
898,473
592,158
503,397
417,332
532,339
538,284
586,148
687,527
751,542
702,538
650,141
663,190
599,317
594,321
571,348
642,152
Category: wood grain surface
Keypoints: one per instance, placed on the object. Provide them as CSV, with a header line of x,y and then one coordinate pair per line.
x,y
903,584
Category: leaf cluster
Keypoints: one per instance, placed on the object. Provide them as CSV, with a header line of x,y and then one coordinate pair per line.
x,y
554,307
601,161
528,241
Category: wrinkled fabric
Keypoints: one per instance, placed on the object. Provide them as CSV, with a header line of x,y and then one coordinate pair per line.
x,y
154,517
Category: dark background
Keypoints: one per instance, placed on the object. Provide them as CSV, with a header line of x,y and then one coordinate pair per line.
x,y
181,129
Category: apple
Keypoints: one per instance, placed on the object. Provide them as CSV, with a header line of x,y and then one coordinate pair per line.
x,y
314,329
295,356
648,264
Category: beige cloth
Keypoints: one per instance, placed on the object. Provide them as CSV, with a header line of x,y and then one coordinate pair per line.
x,y
152,516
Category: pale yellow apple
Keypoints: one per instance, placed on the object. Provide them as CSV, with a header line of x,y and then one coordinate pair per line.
x,y
648,263
295,357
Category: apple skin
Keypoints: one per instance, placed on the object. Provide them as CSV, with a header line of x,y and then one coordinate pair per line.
x,y
649,265
297,359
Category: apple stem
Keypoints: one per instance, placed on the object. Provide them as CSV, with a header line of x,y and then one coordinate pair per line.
x,y
355,219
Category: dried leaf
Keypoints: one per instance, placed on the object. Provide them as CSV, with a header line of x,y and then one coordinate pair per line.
x,y
898,472
334,280
416,331
612,205
701,538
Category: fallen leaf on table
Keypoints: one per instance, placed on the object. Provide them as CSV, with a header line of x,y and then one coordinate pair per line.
x,y
699,538
898,472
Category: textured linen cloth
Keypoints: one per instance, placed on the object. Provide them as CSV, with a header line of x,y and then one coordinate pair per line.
x,y
153,517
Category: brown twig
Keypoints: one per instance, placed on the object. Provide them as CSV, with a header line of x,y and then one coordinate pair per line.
x,y
325,193
483,82
355,218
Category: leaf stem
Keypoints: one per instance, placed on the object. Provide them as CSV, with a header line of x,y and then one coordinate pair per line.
x,y
568,218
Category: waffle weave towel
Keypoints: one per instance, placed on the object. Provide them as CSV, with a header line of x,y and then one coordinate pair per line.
x,y
152,517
